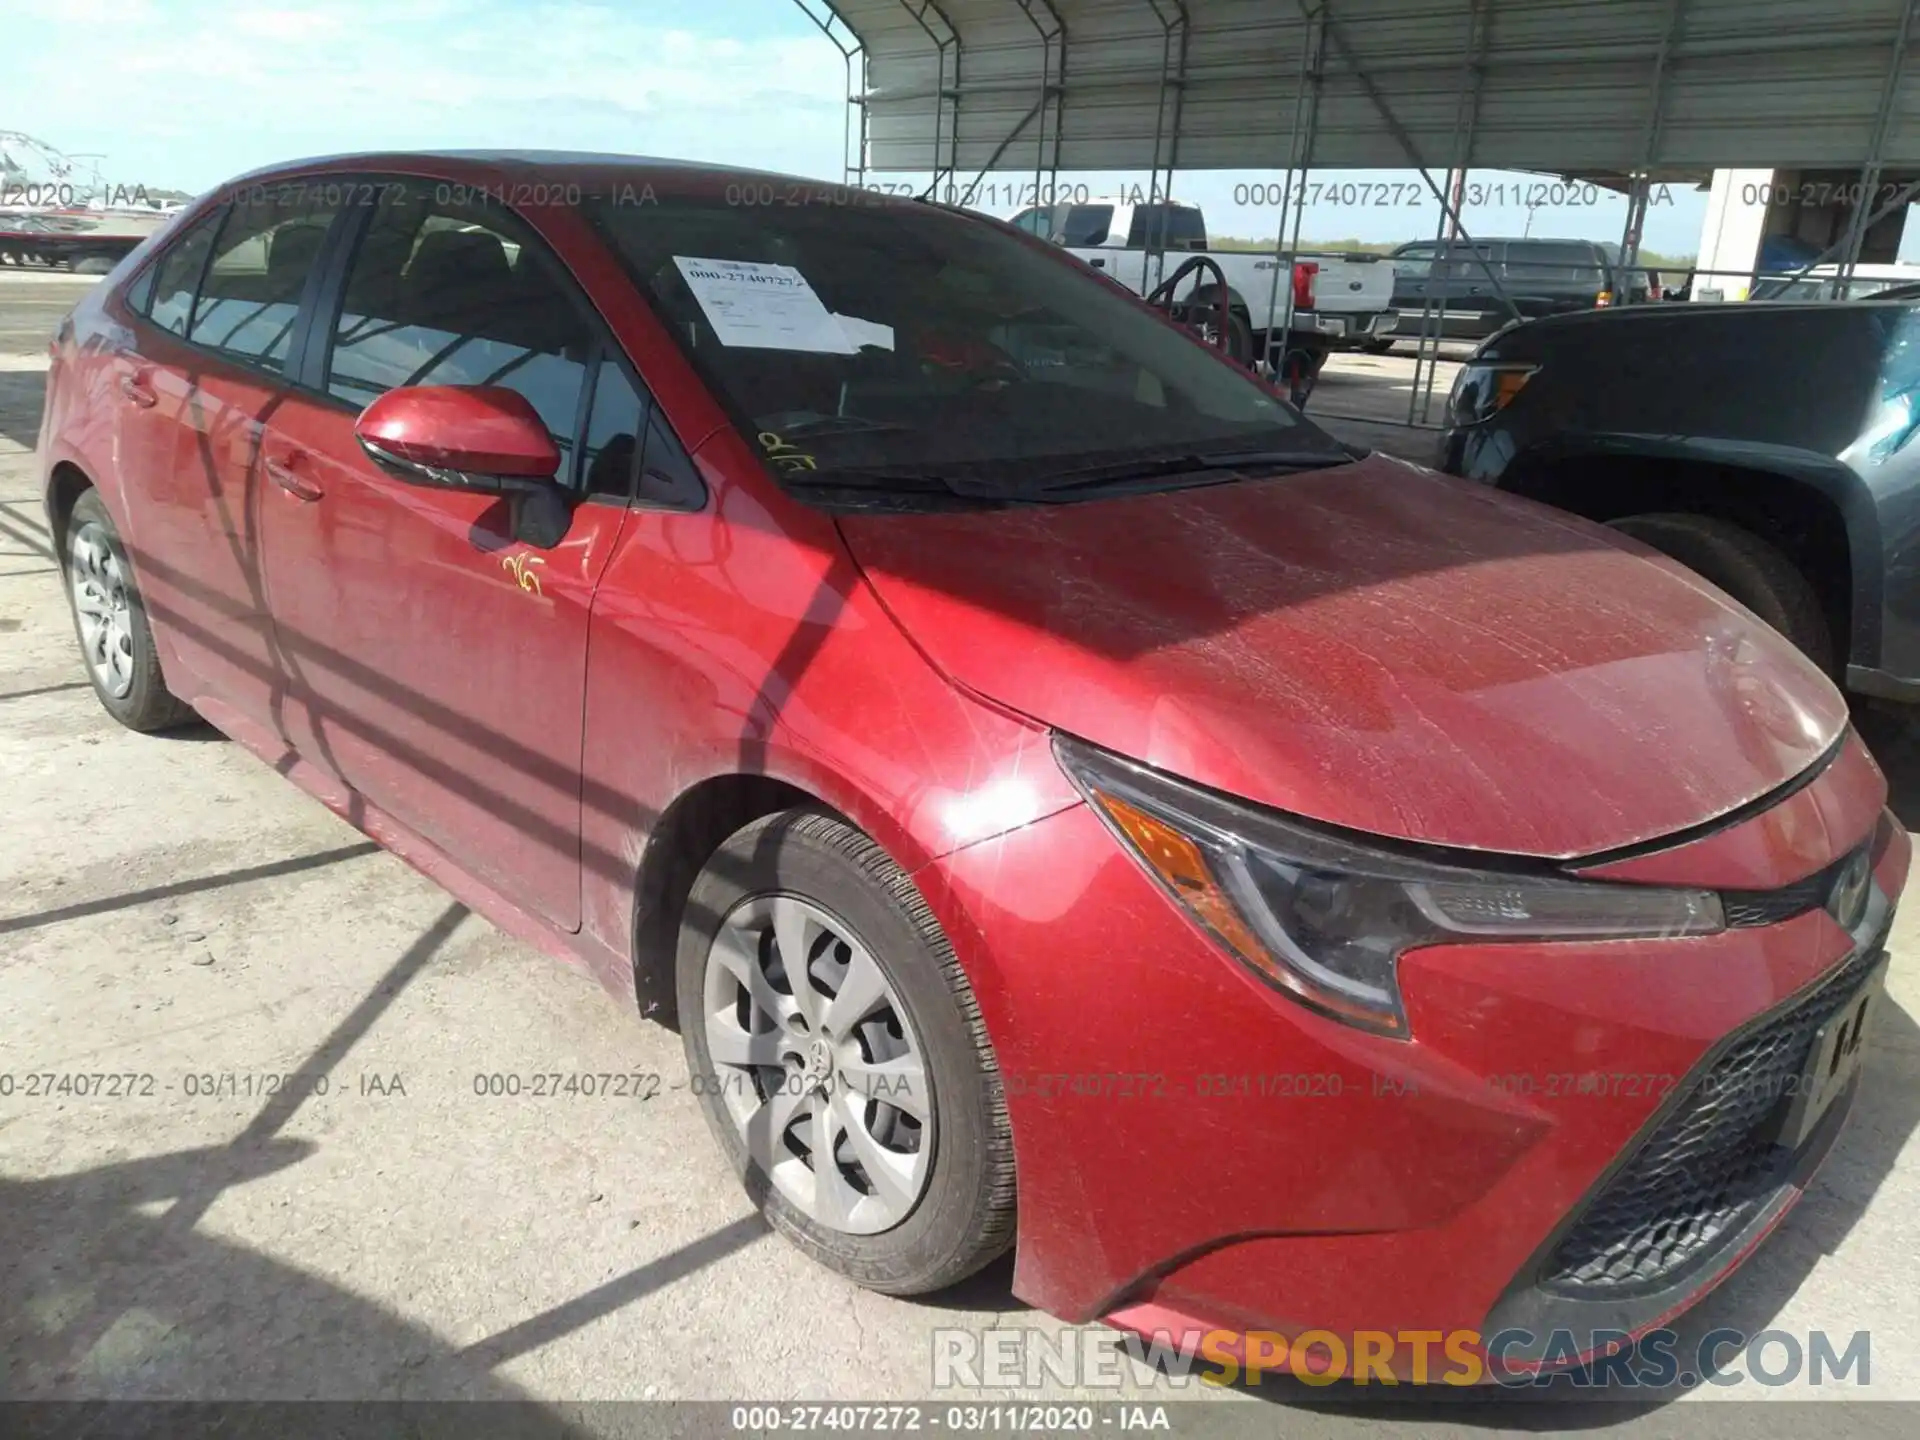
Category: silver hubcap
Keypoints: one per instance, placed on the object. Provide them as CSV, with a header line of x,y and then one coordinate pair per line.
x,y
817,1065
100,601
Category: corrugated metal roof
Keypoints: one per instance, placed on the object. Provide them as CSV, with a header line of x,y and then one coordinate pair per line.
x,y
1565,84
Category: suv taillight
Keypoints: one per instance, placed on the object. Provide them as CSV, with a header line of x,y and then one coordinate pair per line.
x,y
1304,272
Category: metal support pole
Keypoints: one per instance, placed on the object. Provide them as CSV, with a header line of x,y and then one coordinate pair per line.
x,y
946,93
1466,118
1405,141
853,148
1052,31
1172,15
1649,145
1306,118
1870,170
973,186
1305,136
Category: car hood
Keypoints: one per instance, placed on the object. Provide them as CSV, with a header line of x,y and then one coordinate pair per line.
x,y
1373,646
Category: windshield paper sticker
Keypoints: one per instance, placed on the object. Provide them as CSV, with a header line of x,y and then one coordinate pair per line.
x,y
865,332
763,307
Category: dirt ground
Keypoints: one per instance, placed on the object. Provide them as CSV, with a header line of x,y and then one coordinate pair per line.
x,y
176,914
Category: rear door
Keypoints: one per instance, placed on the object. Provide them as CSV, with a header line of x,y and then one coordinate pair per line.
x,y
439,663
210,369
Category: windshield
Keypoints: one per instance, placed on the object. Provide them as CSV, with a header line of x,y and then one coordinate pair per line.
x,y
905,342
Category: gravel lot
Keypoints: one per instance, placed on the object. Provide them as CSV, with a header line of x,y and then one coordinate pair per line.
x,y
175,910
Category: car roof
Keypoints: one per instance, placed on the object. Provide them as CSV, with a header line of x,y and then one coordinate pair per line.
x,y
580,166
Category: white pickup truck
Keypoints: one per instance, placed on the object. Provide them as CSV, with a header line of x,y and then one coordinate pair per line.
x,y
1340,301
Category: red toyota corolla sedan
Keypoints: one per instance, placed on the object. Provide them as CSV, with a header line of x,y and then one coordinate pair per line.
x,y
1070,801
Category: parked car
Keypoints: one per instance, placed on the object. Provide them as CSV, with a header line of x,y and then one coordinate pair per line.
x,y
88,242
1340,301
1067,800
1449,286
1766,446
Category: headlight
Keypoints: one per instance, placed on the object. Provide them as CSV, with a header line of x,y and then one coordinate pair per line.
x,y
1483,389
1326,918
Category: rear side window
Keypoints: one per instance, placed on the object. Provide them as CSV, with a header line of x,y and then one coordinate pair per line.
x,y
250,297
1086,225
177,277
1173,227
1565,263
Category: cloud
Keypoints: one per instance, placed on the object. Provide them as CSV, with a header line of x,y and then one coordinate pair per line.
x,y
258,86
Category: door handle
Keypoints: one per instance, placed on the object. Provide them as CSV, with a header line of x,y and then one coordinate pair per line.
x,y
1097,263
136,389
285,474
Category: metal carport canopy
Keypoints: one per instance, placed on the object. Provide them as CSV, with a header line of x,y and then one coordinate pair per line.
x,y
954,86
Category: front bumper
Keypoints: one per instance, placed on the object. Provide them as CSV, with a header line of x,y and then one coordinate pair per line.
x,y
1198,1153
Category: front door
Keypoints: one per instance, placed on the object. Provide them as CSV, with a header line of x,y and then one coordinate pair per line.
x,y
439,664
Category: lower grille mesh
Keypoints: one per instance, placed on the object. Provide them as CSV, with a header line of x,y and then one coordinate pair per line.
x,y
1711,1164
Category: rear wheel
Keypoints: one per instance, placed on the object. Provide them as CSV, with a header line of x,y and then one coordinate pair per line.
x,y
840,1058
1747,568
109,617
1238,342
1377,347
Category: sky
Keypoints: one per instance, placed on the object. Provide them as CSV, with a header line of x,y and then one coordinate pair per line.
x,y
188,93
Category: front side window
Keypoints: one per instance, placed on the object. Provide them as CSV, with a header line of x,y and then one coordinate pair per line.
x,y
450,294
177,277
250,297
910,341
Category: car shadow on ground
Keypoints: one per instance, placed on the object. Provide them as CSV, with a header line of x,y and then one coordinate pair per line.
x,y
111,1289
21,395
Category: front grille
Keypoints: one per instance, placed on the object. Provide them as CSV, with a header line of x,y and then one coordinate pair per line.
x,y
1769,907
1712,1162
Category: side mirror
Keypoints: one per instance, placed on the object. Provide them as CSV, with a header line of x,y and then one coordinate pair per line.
x,y
470,437
483,438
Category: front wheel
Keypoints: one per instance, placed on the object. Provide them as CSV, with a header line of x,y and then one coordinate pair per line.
x,y
840,1058
1747,568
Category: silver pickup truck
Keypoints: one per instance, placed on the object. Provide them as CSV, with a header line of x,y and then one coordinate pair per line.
x,y
1339,301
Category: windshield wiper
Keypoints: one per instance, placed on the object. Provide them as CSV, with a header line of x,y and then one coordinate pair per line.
x,y
1199,466
834,425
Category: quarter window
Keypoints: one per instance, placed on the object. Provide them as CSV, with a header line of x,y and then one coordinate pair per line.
x,y
178,278
444,294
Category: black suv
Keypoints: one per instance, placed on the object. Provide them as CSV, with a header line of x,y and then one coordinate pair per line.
x,y
1541,277
1770,447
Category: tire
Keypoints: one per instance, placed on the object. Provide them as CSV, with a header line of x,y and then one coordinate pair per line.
x,y
1239,338
1747,568
809,861
97,573
1377,347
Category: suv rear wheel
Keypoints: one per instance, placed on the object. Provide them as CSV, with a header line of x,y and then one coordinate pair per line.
x,y
1747,568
